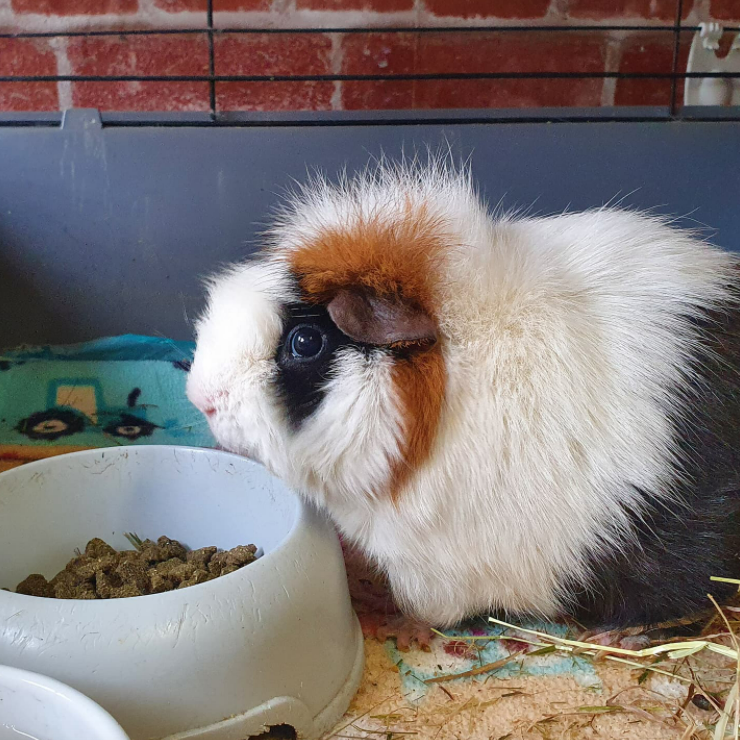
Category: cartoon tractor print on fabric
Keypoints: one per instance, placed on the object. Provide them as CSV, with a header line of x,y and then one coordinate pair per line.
x,y
73,405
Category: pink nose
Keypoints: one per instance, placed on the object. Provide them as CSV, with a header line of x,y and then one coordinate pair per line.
x,y
204,402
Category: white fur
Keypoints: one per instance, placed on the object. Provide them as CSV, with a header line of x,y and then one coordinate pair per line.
x,y
234,365
349,443
564,341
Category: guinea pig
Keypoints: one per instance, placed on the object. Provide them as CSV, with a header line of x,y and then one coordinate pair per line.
x,y
528,415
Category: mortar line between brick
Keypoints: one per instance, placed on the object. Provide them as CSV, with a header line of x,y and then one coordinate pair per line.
x,y
558,9
556,13
612,62
64,67
700,12
6,14
148,16
337,57
283,7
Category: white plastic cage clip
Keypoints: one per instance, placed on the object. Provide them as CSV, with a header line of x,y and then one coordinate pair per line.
x,y
703,58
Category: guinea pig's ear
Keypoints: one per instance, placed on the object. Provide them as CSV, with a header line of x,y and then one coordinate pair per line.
x,y
380,320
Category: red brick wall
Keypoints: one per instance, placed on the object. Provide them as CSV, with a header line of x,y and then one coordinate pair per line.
x,y
321,53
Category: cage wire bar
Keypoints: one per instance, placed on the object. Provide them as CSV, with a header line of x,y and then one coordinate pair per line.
x,y
212,78
212,60
676,49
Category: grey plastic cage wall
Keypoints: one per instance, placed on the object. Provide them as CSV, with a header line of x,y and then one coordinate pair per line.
x,y
107,225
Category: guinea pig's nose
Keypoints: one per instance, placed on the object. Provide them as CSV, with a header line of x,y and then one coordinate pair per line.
x,y
204,402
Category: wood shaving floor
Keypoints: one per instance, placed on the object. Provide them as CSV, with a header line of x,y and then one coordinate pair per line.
x,y
518,707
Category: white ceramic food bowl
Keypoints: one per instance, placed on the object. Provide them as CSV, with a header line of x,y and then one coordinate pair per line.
x,y
40,708
275,643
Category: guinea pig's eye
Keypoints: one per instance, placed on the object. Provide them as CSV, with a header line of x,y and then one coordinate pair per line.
x,y
306,342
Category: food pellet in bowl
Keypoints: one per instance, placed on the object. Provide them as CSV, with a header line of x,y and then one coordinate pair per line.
x,y
100,572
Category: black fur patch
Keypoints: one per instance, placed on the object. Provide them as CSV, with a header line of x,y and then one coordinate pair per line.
x,y
666,574
302,382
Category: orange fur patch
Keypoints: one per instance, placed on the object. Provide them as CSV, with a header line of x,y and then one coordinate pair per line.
x,y
397,258
420,384
388,258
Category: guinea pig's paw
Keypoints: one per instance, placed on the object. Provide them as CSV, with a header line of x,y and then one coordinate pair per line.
x,y
630,639
405,630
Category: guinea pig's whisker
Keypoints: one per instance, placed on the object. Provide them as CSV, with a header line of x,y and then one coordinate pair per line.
x,y
174,346
195,425
299,310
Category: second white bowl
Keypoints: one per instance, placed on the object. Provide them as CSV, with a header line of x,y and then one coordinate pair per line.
x,y
38,707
